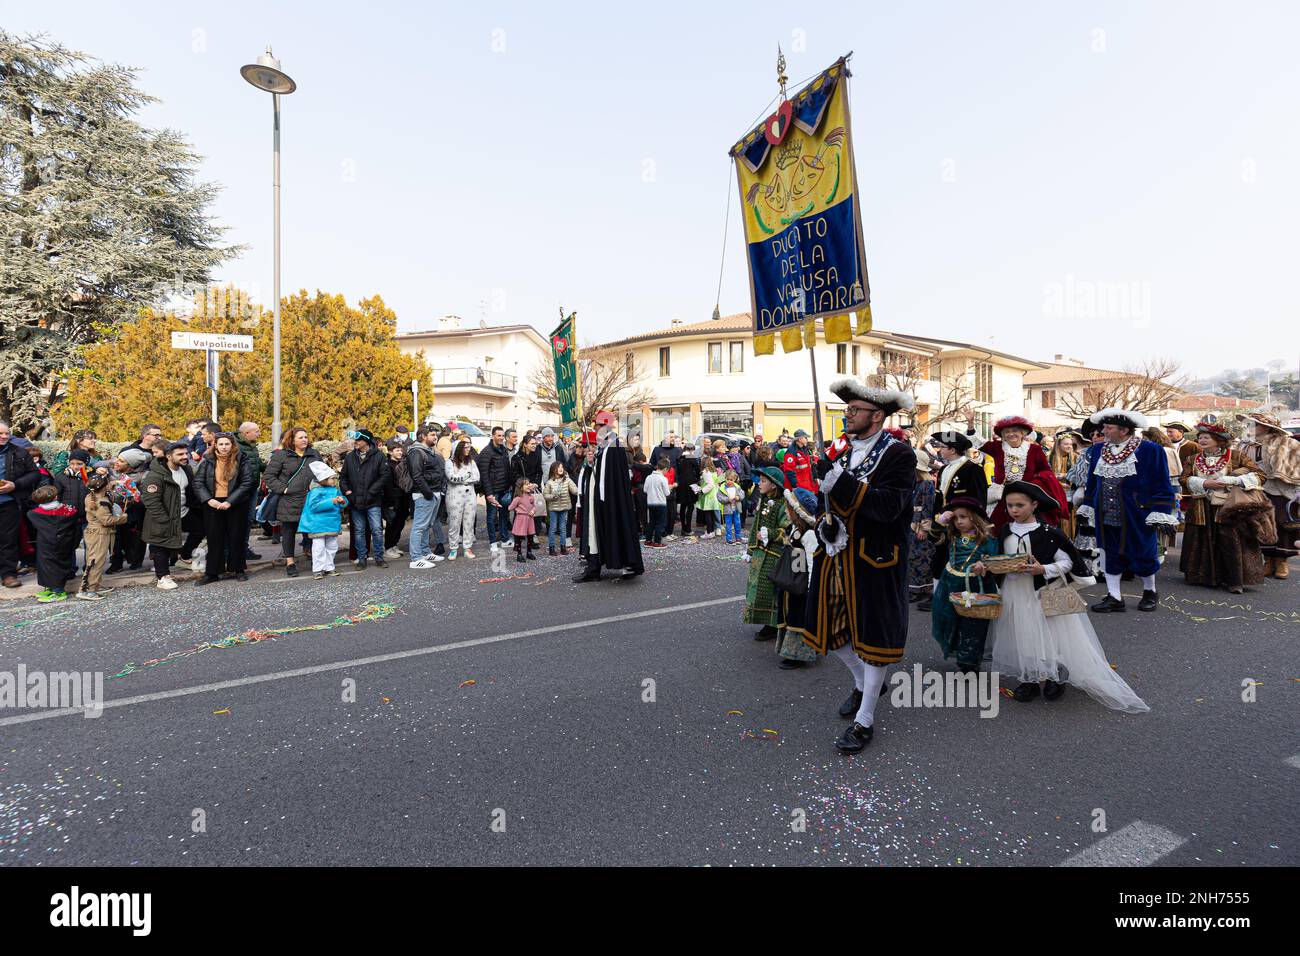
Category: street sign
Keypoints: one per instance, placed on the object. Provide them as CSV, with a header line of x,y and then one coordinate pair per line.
x,y
215,341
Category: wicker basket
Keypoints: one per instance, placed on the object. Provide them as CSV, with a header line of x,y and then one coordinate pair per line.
x,y
980,604
1005,563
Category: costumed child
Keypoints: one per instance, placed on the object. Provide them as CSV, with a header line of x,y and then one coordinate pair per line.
x,y
799,535
522,526
102,517
969,537
762,552
707,503
322,518
57,533
731,496
1031,646
921,556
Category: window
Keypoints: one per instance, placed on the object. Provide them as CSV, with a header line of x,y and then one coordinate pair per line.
x,y
841,359
737,357
983,382
715,358
1049,398
984,423
665,368
896,363
629,367
857,354
1092,397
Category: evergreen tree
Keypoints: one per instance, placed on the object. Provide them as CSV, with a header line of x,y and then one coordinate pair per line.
x,y
99,216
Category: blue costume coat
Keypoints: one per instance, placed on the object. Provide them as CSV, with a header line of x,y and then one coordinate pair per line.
x,y
1149,491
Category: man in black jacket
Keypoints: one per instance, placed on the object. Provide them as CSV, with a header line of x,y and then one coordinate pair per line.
x,y
18,478
362,481
494,473
428,473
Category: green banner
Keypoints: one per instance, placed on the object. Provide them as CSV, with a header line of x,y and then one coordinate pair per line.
x,y
564,353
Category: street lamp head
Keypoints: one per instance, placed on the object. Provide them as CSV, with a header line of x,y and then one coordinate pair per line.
x,y
266,75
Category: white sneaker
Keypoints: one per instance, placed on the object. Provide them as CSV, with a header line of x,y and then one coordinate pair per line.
x,y
186,563
90,596
670,537
422,565
393,553
166,584
495,547
469,554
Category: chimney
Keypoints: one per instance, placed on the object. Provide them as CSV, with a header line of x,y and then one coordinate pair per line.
x,y
449,323
676,322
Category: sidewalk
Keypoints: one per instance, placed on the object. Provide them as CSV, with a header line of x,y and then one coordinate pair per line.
x,y
124,579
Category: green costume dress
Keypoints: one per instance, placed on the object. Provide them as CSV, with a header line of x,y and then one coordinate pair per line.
x,y
961,637
760,593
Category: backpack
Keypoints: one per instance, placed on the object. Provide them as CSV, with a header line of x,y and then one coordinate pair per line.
x,y
402,476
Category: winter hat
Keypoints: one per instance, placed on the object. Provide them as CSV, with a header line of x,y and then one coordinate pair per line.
x,y
923,463
321,471
774,475
800,433
364,435
1013,421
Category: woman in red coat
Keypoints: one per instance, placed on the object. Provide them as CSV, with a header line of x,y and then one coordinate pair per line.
x,y
1016,458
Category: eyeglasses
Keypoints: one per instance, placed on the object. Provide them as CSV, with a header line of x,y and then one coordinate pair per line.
x,y
856,410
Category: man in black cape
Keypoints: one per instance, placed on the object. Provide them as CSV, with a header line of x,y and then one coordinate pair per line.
x,y
607,534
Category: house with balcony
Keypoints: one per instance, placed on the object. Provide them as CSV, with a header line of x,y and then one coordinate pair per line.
x,y
706,377
481,373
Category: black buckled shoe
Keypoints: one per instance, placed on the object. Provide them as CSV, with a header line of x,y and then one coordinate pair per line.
x,y
584,578
1109,605
854,739
1026,692
851,704
789,664
1150,601
1052,690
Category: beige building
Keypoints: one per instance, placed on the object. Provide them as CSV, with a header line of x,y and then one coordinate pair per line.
x,y
1057,392
482,372
706,377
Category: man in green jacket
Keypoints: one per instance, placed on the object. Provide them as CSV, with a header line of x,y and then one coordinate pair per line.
x,y
162,493
249,433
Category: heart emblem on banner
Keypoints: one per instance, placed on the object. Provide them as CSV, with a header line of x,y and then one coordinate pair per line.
x,y
778,124
560,343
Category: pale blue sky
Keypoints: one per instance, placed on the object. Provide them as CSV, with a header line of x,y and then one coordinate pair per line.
x,y
1007,152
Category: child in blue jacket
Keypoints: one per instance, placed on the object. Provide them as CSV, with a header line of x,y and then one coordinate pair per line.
x,y
322,518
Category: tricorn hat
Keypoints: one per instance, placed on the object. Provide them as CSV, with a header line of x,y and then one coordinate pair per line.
x,y
954,440
1119,416
1033,491
888,400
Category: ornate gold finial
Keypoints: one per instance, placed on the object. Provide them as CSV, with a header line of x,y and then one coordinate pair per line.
x,y
780,69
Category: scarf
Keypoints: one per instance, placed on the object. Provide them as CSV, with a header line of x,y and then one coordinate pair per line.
x,y
225,472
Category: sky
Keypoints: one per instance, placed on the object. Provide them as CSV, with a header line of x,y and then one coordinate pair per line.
x,y
1112,181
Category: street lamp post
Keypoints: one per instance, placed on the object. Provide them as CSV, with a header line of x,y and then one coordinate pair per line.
x,y
267,76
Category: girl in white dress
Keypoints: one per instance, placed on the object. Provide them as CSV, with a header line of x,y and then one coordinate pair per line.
x,y
1031,646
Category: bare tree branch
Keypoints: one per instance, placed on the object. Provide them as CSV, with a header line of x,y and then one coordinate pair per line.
x,y
608,379
1150,386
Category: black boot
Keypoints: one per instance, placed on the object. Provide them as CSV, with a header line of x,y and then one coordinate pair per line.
x,y
851,704
767,633
1052,690
789,664
854,739
1150,601
1109,605
1026,692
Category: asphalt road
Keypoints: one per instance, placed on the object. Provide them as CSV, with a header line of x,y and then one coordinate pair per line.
x,y
554,755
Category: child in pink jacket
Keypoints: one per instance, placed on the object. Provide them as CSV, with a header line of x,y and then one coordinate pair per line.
x,y
523,527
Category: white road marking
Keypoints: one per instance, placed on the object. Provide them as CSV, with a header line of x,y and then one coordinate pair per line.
x,y
1293,761
363,661
1138,844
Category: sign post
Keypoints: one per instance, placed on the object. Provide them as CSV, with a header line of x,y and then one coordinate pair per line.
x,y
212,343
415,406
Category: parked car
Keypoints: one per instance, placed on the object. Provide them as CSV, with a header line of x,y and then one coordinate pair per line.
x,y
478,439
728,437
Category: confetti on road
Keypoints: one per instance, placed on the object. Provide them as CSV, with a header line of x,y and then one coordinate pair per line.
x,y
367,612
224,710
508,577
41,620
735,713
468,683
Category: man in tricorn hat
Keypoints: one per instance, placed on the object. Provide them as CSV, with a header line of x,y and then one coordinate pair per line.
x,y
856,606
1127,498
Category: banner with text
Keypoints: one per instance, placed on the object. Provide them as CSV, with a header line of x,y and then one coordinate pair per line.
x,y
564,348
803,228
